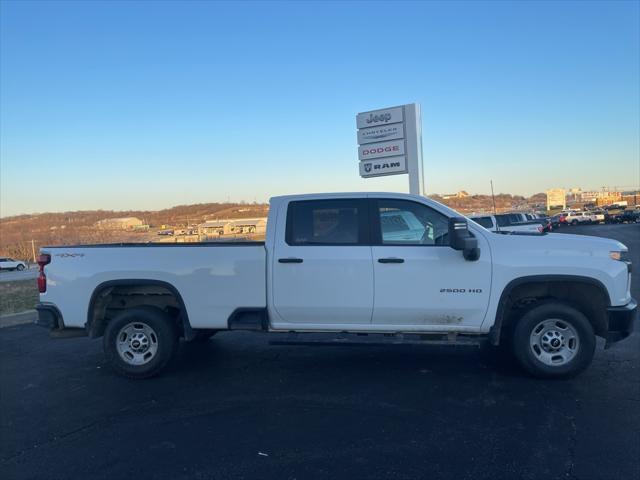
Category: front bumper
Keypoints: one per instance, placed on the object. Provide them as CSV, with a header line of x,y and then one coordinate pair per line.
x,y
621,321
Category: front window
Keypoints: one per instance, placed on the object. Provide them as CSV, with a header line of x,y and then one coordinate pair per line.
x,y
403,222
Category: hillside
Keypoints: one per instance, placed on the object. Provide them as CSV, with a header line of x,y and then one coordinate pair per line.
x,y
17,233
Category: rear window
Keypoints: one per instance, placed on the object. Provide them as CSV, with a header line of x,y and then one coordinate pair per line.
x,y
326,222
503,220
486,222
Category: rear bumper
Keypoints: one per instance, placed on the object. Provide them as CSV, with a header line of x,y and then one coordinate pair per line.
x,y
621,320
49,316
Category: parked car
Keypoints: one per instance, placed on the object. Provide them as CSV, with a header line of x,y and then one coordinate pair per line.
x,y
598,216
165,232
520,218
558,220
594,216
503,223
628,216
7,263
575,218
331,263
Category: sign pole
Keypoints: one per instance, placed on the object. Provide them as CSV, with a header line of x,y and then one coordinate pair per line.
x,y
413,115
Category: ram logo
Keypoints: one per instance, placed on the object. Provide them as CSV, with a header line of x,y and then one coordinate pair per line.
x,y
367,167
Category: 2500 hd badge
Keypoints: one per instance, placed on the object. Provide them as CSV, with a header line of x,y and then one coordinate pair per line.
x,y
460,290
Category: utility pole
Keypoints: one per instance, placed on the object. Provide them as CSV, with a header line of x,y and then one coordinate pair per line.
x,y
495,212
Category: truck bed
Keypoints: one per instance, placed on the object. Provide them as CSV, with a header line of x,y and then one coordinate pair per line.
x,y
213,278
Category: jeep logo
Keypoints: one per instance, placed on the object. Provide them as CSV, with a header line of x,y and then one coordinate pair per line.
x,y
383,117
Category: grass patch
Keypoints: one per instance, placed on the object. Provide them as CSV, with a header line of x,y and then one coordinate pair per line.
x,y
18,296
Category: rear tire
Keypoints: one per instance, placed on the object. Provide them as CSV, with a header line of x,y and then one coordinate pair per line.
x,y
140,342
554,340
20,268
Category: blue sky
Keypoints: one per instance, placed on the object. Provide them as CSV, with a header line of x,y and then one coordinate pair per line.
x,y
145,105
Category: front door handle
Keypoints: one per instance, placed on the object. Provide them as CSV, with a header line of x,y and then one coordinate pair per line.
x,y
391,260
290,260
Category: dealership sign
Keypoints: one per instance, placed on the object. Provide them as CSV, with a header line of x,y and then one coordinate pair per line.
x,y
380,117
556,197
382,149
381,133
383,166
390,143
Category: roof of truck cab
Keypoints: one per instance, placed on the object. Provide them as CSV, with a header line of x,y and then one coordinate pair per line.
x,y
322,196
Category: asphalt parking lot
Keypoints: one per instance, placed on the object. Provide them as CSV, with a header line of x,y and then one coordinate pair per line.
x,y
239,408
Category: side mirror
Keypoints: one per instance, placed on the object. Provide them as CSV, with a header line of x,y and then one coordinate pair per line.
x,y
461,239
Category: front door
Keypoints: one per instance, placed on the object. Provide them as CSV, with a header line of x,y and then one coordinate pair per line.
x,y
322,269
419,279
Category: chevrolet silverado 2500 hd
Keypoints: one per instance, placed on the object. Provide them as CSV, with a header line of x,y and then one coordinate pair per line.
x,y
354,264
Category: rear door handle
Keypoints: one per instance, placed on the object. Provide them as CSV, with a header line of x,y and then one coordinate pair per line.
x,y
290,260
391,260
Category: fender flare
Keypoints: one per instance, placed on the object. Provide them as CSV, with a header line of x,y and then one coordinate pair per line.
x,y
189,334
496,328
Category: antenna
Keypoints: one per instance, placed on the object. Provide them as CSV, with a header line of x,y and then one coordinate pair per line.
x,y
495,212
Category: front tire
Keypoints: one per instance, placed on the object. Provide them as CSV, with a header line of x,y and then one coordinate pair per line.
x,y
554,340
140,342
20,267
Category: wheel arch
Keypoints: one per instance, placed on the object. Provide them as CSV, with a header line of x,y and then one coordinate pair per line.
x,y
95,326
537,281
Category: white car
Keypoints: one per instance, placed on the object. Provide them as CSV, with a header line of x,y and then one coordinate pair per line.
x,y
7,263
575,218
596,216
395,266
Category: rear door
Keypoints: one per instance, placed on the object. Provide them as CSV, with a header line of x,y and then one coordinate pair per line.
x,y
419,279
322,270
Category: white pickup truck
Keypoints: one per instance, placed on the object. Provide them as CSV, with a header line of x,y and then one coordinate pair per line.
x,y
385,265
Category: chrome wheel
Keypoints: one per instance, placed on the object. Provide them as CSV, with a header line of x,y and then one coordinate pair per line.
x,y
554,342
137,343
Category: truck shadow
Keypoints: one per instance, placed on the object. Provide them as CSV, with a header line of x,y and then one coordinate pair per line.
x,y
255,356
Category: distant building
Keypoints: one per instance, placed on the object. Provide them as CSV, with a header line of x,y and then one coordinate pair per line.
x,y
608,200
600,196
556,198
125,223
460,194
237,226
248,225
212,228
